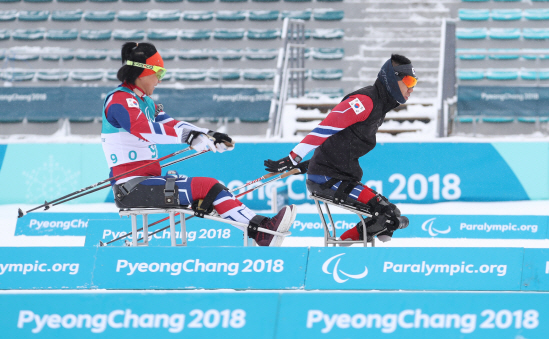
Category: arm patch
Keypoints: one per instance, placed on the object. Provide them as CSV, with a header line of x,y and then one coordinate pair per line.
x,y
357,106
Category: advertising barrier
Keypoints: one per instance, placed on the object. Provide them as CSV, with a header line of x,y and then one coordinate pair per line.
x,y
58,224
535,275
492,269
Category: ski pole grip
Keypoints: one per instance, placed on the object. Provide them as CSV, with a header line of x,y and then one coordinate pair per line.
x,y
291,172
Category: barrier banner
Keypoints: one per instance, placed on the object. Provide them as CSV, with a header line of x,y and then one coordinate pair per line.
x,y
139,315
200,267
465,269
535,275
46,268
200,232
413,315
43,223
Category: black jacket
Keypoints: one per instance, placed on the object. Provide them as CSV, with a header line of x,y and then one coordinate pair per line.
x,y
338,156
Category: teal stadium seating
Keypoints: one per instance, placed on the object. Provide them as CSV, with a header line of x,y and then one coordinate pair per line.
x,y
471,53
33,15
229,34
62,34
103,1
504,33
326,74
191,75
132,15
531,120
128,34
298,0
162,34
328,33
136,0
469,74
263,34
5,34
265,0
100,16
258,75
300,15
164,15
467,14
535,33
169,1
17,75
200,0
23,53
226,54
29,34
198,15
194,54
475,0
8,15
56,53
95,34
92,55
498,120
38,0
168,54
471,33
328,53
536,14
195,34
261,54
75,15
52,75
71,0
502,74
526,54
510,53
263,15
328,91
6,1
534,75
227,74
231,15
87,75
328,14
507,0
506,14
111,76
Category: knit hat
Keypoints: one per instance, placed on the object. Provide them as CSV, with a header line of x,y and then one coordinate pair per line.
x,y
390,76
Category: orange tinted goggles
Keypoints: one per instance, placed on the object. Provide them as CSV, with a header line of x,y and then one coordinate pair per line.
x,y
409,81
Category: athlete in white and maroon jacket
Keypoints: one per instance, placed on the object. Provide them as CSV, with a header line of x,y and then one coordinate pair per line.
x,y
133,125
348,133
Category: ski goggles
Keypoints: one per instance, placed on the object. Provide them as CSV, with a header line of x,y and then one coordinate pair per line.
x,y
159,71
409,81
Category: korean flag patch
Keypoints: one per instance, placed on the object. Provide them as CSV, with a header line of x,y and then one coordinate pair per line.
x,y
132,102
357,106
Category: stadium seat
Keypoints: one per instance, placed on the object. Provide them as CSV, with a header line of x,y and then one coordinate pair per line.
x,y
298,0
162,34
132,15
329,0
263,34
5,34
328,53
535,33
475,0
258,74
261,54
498,120
506,14
56,53
471,33
103,0
111,75
504,33
263,15
226,54
507,0
471,53
168,1
265,0
327,14
164,15
534,75
17,75
91,55
465,120
470,74
194,54
226,74
195,34
52,75
328,34
71,0
99,16
320,92
467,14
301,15
8,15
190,75
536,14
200,0
33,15
6,1
168,54
198,15
531,120
87,75
229,34
506,56
326,74
231,15
29,34
95,34
502,74
23,53
62,34
136,0
527,56
38,0
128,34
75,15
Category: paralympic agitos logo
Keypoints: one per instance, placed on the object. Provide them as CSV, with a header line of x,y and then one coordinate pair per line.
x,y
335,271
428,226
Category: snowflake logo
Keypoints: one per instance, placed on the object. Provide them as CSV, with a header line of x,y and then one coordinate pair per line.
x,y
49,181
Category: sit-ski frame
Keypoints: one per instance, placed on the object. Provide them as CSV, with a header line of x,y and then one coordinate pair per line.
x,y
331,239
134,212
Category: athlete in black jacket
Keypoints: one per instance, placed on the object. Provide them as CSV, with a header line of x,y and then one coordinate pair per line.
x,y
348,133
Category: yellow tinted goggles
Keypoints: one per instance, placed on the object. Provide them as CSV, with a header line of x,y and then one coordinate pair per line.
x,y
160,71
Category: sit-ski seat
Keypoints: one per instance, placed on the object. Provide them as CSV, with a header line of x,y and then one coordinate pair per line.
x,y
328,196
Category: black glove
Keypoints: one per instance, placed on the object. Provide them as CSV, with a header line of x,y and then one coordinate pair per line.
x,y
303,167
284,164
220,137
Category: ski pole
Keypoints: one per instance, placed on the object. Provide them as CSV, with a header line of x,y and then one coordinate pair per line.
x,y
47,205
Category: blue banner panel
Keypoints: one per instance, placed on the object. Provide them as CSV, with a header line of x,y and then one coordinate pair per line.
x,y
200,267
476,227
74,224
139,315
200,232
309,225
463,269
413,315
502,100
46,268
535,275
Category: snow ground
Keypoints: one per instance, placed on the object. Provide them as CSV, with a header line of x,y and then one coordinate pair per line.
x,y
8,219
